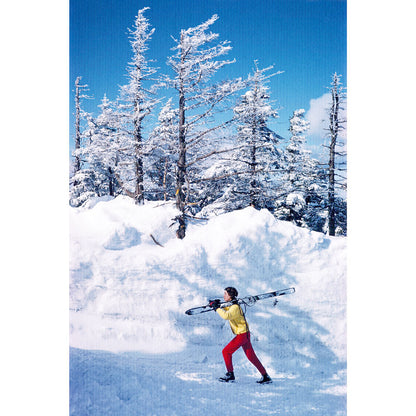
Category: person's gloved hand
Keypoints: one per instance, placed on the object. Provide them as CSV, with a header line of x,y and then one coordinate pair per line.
x,y
215,304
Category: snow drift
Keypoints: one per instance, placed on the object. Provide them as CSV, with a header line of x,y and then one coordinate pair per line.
x,y
128,296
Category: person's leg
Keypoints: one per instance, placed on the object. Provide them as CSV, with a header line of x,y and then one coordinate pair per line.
x,y
251,355
230,349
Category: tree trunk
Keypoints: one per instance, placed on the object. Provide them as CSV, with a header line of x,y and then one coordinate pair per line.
x,y
110,182
138,164
253,182
165,174
331,195
181,171
77,165
333,127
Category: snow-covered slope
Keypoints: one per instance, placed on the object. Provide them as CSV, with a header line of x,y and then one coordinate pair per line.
x,y
131,338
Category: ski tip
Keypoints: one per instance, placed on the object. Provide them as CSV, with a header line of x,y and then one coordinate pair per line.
x,y
287,291
188,312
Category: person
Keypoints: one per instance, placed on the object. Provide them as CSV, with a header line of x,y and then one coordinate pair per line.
x,y
238,323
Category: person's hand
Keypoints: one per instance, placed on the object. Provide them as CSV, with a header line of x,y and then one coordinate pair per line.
x,y
215,304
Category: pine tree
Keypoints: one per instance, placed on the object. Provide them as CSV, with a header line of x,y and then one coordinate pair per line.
x,y
291,202
194,64
101,151
82,181
138,96
85,183
162,153
256,163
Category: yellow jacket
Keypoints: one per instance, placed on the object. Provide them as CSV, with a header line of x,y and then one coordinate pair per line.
x,y
235,316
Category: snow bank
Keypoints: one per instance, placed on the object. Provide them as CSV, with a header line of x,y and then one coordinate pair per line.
x,y
129,294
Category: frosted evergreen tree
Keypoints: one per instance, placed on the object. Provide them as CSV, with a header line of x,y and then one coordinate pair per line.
x,y
297,156
163,153
139,98
256,163
217,176
84,183
84,187
298,172
197,58
302,199
82,180
101,151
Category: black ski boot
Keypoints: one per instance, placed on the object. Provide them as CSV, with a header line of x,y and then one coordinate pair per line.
x,y
227,378
265,379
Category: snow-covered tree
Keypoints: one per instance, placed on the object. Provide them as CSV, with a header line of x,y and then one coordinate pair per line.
x,y
299,171
197,58
335,179
82,182
256,162
79,115
83,187
101,150
139,100
162,153
314,215
85,183
297,156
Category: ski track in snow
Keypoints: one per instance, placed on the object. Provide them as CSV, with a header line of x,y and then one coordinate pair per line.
x,y
135,352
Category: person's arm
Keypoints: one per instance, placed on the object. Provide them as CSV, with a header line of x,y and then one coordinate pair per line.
x,y
232,313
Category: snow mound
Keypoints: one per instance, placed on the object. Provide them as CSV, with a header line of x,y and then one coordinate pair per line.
x,y
129,293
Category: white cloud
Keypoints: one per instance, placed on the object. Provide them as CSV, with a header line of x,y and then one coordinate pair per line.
x,y
317,114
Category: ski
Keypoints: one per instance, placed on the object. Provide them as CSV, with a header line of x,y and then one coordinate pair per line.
x,y
248,300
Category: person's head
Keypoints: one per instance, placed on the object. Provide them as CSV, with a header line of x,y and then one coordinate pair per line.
x,y
230,293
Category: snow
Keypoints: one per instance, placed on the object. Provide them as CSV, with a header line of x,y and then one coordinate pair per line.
x,y
134,351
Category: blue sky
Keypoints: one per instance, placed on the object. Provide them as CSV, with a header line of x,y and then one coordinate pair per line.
x,y
306,39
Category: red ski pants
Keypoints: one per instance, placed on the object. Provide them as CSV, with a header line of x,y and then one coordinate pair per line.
x,y
241,340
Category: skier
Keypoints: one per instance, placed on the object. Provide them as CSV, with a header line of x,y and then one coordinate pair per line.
x,y
235,315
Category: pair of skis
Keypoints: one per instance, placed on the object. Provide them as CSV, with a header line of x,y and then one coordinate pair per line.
x,y
248,300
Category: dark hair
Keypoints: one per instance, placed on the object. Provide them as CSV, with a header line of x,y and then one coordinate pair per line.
x,y
232,291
